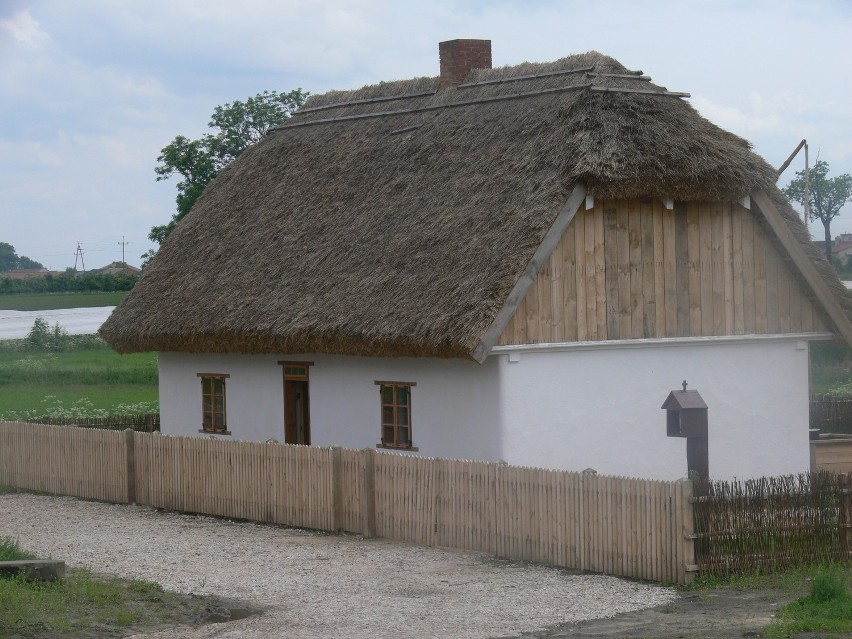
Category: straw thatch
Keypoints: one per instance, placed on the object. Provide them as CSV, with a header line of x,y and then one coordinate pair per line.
x,y
399,226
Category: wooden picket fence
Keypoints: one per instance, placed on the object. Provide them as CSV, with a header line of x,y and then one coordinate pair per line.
x,y
615,525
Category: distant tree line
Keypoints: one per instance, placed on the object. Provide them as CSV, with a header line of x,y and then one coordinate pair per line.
x,y
11,261
68,282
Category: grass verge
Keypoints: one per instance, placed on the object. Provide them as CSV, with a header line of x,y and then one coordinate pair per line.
x,y
51,301
822,598
827,608
83,381
87,606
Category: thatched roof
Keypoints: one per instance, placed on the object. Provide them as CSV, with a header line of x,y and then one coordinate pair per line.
x,y
394,220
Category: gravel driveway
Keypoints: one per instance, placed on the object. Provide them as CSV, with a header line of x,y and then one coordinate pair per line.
x,y
313,585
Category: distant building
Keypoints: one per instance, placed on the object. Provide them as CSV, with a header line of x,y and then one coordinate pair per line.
x,y
27,273
117,268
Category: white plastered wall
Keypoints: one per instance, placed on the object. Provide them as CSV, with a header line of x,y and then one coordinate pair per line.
x,y
454,403
584,406
598,406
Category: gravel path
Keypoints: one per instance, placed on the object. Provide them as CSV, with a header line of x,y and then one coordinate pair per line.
x,y
313,585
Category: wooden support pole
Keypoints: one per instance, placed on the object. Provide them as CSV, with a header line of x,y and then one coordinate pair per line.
x,y
687,538
130,449
337,487
368,513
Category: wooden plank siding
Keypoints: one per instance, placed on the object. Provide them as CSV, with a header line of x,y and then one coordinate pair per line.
x,y
633,270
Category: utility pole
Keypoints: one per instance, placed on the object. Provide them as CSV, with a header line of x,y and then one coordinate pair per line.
x,y
78,254
123,244
802,144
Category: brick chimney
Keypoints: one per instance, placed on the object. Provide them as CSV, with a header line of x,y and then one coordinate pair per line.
x,y
460,57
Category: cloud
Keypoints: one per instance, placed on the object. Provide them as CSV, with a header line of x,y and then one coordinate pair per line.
x,y
23,28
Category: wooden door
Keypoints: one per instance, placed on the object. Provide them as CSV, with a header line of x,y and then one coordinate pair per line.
x,y
297,425
297,407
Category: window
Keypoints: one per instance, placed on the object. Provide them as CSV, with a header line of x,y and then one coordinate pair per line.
x,y
396,414
213,415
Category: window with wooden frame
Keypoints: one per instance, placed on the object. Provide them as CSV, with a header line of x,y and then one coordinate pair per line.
x,y
396,414
213,415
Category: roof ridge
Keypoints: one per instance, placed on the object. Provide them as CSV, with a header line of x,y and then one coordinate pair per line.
x,y
497,98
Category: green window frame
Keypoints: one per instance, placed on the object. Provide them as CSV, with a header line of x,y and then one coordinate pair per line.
x,y
396,421
214,415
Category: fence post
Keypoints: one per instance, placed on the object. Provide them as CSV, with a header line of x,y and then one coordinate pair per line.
x,y
129,446
843,518
368,505
337,487
689,568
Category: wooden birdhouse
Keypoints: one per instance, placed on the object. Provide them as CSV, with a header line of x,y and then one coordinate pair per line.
x,y
686,416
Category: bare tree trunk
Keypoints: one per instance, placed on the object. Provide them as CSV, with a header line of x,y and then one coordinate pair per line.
x,y
827,226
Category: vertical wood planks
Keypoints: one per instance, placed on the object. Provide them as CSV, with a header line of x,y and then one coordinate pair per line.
x,y
611,524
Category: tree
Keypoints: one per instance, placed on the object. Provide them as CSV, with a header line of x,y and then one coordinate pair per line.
x,y
10,260
237,126
827,196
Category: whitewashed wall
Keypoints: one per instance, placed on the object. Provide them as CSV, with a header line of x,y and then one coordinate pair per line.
x,y
587,406
454,404
599,406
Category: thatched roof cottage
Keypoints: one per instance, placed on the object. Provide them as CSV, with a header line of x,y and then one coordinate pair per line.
x,y
515,263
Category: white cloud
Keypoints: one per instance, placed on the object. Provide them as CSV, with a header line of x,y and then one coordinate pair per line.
x,y
23,28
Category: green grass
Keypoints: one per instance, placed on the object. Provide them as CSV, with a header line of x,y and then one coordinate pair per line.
x,y
827,608
50,301
830,379
11,551
831,367
88,606
100,366
99,375
823,597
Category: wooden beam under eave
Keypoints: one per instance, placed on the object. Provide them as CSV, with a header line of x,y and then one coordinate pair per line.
x,y
542,254
804,264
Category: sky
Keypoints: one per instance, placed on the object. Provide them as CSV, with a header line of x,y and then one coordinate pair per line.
x,y
91,90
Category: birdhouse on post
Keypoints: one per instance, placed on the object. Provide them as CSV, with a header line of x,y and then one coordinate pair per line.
x,y
686,416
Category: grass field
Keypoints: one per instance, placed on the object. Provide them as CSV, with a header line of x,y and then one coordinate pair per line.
x,y
49,301
100,376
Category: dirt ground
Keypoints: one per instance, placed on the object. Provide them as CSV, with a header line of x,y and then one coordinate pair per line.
x,y
706,614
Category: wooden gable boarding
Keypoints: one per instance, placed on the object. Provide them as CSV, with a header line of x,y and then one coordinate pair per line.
x,y
634,269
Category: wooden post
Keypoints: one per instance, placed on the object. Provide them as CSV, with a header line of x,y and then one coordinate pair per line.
x,y
129,447
368,512
843,520
689,568
337,487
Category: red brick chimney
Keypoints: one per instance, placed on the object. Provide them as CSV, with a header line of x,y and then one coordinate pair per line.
x,y
460,57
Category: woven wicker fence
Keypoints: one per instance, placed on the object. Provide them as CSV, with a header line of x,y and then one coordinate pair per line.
x,y
772,522
831,413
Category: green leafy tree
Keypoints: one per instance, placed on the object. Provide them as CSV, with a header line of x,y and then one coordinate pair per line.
x,y
236,126
9,259
827,196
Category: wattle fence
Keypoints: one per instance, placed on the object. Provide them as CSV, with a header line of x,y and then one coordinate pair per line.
x,y
644,529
